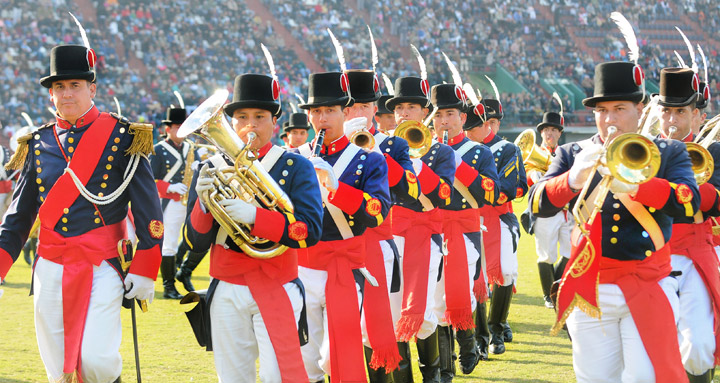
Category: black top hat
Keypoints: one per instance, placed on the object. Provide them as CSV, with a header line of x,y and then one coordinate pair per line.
x,y
616,81
255,91
70,62
328,89
364,85
297,121
493,108
475,116
552,119
283,134
448,96
175,116
382,109
678,87
410,89
703,96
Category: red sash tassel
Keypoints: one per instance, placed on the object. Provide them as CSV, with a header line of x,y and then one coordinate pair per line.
x,y
457,281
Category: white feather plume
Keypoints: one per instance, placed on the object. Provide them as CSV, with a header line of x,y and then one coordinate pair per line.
x,y
629,34
83,35
338,50
51,110
421,62
373,49
480,97
294,108
455,74
693,62
704,60
271,63
388,84
559,101
470,92
117,105
495,89
27,119
680,60
180,99
300,98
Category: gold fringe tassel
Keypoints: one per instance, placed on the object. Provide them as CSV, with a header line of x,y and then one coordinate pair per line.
x,y
18,158
143,141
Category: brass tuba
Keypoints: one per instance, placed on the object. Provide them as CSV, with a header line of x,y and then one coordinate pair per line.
x,y
534,156
417,135
246,180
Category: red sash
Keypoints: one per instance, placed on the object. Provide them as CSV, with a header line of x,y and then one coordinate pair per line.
x,y
265,279
695,242
338,258
492,244
416,228
457,281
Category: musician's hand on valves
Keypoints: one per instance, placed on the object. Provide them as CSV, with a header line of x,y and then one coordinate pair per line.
x,y
617,186
354,125
204,181
325,174
239,210
139,287
584,164
417,165
178,188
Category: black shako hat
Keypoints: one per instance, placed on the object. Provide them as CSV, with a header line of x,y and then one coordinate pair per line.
x,y
255,91
328,89
448,96
297,121
703,96
382,109
475,116
70,62
175,116
551,119
493,108
410,89
616,81
678,87
364,85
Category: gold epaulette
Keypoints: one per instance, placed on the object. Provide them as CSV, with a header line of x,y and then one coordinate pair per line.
x,y
18,158
143,141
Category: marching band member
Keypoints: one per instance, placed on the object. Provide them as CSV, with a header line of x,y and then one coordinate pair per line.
x,y
475,186
356,197
297,130
255,303
693,258
384,117
82,205
622,270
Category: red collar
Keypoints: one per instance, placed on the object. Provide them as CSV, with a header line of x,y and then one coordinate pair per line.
x,y
688,138
372,130
264,150
551,150
489,137
335,146
456,139
87,118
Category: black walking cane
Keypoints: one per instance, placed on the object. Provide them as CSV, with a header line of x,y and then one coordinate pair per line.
x,y
125,250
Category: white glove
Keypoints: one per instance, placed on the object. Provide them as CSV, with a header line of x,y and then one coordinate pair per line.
x,y
139,287
417,165
178,188
194,165
584,163
617,186
458,160
354,125
534,175
239,210
204,182
325,174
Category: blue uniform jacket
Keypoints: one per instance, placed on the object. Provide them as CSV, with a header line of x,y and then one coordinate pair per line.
x,y
435,178
477,173
163,162
401,176
512,179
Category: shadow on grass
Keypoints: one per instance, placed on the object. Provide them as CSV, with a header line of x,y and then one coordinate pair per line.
x,y
14,285
9,380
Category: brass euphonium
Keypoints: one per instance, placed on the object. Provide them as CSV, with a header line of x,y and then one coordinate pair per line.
x,y
417,135
246,180
534,156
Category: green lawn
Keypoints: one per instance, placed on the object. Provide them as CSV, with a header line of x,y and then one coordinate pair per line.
x,y
169,352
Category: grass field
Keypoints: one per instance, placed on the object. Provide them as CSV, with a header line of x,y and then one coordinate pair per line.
x,y
169,352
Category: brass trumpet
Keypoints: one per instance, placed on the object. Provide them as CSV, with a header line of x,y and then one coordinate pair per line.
x,y
363,139
417,135
534,156
702,162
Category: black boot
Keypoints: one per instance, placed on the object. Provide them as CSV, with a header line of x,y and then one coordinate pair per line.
x,y
547,275
189,264
375,376
167,269
180,254
118,380
469,351
482,332
403,374
707,377
560,268
446,346
499,304
429,358
507,331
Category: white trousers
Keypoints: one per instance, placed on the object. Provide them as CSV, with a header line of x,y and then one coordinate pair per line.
x,y
239,335
696,334
388,260
552,237
100,355
431,320
609,350
316,353
508,257
173,219
473,257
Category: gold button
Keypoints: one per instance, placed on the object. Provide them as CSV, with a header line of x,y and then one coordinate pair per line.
x,y
110,158
37,162
615,229
64,220
351,223
108,166
103,185
37,137
96,212
289,162
105,176
474,161
39,170
42,199
97,220
100,194
39,181
613,240
71,140
117,140
651,209
64,228
42,189
37,152
648,253
66,210
114,148
616,217
71,149
282,182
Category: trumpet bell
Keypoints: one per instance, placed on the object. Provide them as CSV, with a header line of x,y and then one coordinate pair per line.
x,y
417,135
534,156
702,162
633,158
363,139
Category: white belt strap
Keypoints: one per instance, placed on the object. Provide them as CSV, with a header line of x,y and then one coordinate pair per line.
x,y
379,139
498,145
178,161
337,215
462,189
272,157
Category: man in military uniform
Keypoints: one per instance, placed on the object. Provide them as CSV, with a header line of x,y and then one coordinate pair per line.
x,y
82,204
384,117
616,293
5,180
475,186
693,257
354,185
255,303
284,136
170,167
297,130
